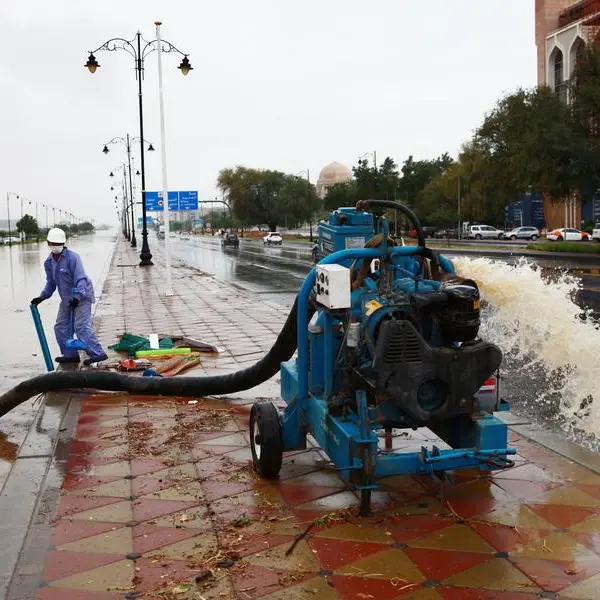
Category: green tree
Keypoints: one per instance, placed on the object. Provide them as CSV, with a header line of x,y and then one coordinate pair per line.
x,y
532,139
341,195
27,225
265,196
416,175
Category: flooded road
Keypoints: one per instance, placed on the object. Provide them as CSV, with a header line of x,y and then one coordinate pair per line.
x,y
22,272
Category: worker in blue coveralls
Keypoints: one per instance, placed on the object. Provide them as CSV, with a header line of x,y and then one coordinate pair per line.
x,y
64,271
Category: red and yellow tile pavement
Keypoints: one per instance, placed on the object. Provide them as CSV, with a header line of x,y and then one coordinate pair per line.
x,y
159,500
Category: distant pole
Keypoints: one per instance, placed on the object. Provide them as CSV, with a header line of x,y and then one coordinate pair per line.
x,y
131,198
458,204
169,287
310,217
8,214
375,159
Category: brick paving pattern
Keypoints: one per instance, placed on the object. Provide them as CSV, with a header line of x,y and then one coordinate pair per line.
x,y
159,498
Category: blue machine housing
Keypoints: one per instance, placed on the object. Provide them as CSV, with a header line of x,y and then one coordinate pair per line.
x,y
345,229
352,397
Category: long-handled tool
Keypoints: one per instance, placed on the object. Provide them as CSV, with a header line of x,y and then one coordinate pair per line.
x,y
37,321
73,343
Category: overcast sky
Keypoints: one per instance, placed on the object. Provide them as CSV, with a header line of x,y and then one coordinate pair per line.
x,y
276,84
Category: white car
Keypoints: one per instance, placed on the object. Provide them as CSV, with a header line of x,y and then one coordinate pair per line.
x,y
10,240
481,232
596,232
273,238
522,233
567,234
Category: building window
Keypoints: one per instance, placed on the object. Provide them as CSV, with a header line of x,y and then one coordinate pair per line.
x,y
558,70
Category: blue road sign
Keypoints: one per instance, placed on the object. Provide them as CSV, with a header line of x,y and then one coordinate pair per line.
x,y
188,200
177,201
198,223
149,220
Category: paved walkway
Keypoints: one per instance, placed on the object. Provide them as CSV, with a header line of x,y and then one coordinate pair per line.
x,y
156,497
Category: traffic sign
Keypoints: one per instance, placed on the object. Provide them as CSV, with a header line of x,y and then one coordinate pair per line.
x,y
149,220
177,201
188,200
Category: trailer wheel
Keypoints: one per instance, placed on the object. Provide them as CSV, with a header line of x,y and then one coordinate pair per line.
x,y
265,439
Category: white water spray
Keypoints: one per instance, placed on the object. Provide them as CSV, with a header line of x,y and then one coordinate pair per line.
x,y
550,351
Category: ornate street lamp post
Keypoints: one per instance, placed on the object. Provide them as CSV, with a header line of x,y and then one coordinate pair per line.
x,y
134,48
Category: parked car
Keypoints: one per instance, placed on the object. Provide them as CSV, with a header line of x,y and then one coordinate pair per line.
x,y
568,234
596,232
230,239
273,238
160,235
522,233
446,234
184,235
10,240
484,232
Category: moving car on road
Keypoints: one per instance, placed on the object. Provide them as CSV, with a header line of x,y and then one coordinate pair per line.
x,y
273,238
523,233
230,239
484,232
596,232
568,234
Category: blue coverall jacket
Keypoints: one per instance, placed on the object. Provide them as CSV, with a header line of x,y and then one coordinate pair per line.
x,y
68,276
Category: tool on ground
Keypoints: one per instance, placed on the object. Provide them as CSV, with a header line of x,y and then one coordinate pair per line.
x,y
194,344
162,352
39,328
134,365
73,343
392,345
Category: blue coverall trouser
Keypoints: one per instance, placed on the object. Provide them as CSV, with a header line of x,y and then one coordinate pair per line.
x,y
83,328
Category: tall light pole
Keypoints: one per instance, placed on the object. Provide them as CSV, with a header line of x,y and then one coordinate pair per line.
x,y
139,53
310,213
163,151
129,231
8,195
373,154
126,141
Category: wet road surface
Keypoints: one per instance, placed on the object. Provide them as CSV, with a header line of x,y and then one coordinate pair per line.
x,y
277,272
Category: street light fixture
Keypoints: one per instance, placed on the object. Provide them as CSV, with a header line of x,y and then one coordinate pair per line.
x,y
373,154
139,53
126,141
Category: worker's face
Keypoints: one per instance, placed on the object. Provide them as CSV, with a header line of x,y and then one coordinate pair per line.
x,y
56,248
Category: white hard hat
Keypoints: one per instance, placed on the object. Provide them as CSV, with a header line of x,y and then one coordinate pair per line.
x,y
56,236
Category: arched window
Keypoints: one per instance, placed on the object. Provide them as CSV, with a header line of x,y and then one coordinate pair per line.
x,y
577,50
558,69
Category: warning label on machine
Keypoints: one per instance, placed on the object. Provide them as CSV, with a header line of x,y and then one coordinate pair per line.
x,y
355,242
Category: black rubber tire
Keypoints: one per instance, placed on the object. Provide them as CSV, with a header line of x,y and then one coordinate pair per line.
x,y
478,237
513,237
500,236
265,432
533,238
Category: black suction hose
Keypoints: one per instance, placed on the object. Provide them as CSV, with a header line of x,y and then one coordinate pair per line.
x,y
364,204
283,349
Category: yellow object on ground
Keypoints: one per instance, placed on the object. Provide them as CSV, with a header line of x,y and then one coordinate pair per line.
x,y
162,352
